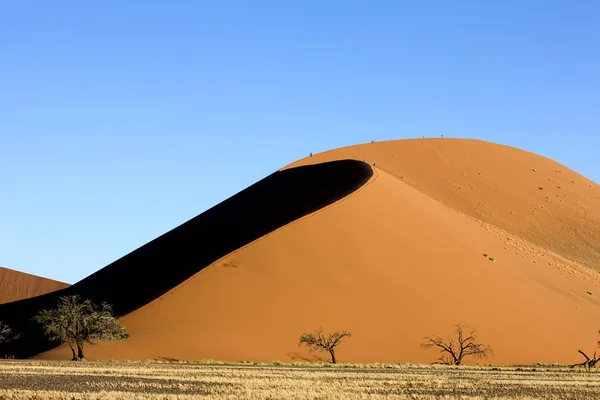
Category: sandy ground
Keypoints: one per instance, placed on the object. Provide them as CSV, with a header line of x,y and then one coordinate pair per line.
x,y
87,381
15,285
401,258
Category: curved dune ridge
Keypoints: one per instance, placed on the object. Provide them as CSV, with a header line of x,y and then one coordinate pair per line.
x,y
15,285
162,264
392,260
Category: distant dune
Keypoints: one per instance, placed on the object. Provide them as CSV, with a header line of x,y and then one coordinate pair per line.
x,y
15,285
396,254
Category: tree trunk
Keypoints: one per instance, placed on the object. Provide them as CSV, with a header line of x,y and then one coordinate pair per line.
x,y
457,360
73,351
80,355
332,352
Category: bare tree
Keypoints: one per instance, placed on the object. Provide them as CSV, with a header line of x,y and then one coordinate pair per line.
x,y
454,350
78,323
318,341
589,362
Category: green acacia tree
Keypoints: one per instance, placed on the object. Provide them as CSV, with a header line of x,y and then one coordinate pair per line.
x,y
79,322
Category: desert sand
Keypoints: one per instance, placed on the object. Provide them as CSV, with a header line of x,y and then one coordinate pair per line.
x,y
15,285
399,258
177,381
523,193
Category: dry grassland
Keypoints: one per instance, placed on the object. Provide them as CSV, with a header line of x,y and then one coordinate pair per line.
x,y
90,380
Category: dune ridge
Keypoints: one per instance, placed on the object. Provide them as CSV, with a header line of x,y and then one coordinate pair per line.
x,y
162,264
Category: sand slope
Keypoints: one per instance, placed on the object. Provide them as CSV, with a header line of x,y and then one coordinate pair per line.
x,y
518,191
15,285
400,258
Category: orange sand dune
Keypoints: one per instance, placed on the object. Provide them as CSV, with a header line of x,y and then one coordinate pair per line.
x,y
15,285
521,192
401,258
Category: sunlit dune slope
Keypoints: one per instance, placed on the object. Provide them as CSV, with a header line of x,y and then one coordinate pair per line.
x,y
15,285
521,192
388,263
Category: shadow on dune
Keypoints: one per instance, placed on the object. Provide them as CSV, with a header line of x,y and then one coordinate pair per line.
x,y
155,268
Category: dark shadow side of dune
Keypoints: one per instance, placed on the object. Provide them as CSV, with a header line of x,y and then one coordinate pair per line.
x,y
160,265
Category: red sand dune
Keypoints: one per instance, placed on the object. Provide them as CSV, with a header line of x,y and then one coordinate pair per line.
x,y
520,192
15,285
401,258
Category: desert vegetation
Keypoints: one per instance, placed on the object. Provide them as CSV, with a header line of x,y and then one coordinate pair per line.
x,y
319,341
33,380
5,332
455,349
589,362
79,322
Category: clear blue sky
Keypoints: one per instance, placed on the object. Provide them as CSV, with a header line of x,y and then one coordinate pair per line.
x,y
119,120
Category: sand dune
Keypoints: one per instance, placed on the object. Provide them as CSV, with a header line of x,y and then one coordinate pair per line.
x,y
395,259
389,263
15,285
521,192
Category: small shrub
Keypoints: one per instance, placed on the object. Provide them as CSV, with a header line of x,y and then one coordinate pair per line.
x,y
7,334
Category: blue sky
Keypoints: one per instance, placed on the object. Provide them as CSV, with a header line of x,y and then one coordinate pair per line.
x,y
121,120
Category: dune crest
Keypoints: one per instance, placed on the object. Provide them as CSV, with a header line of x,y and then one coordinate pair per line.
x,y
162,264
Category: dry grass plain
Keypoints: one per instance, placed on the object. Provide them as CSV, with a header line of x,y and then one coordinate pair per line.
x,y
111,380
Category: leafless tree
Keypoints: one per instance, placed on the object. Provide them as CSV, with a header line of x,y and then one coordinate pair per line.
x,y
453,351
589,362
78,322
318,341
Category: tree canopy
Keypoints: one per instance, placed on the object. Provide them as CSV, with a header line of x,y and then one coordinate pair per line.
x,y
79,322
